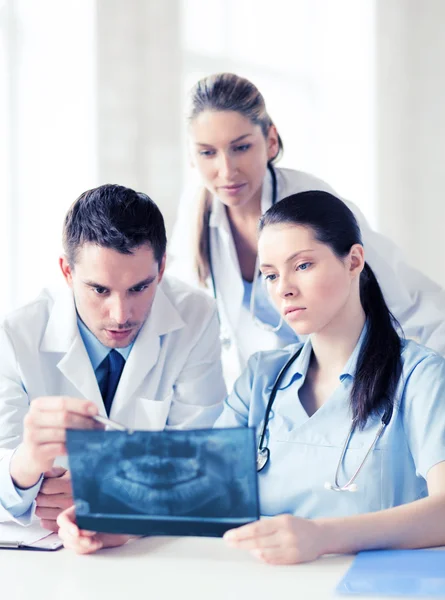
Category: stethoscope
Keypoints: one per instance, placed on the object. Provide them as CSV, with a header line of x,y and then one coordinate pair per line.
x,y
225,340
263,452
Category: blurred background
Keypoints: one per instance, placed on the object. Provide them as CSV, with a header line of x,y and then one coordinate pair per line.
x,y
93,91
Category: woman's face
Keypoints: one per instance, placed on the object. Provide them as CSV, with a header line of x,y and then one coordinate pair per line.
x,y
311,287
231,155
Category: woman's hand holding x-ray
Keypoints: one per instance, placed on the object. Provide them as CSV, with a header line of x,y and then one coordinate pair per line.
x,y
280,540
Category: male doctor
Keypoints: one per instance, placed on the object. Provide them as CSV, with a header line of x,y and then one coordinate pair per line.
x,y
120,340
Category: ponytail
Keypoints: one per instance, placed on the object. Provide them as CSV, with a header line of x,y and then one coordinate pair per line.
x,y
379,364
202,237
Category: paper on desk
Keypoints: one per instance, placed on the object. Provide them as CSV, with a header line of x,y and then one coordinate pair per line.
x,y
26,535
396,573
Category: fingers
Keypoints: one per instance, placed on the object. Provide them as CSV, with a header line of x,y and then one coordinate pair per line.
x,y
82,542
55,472
49,524
58,420
263,528
60,501
65,404
61,485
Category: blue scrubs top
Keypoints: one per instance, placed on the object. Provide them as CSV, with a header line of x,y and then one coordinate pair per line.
x,y
305,451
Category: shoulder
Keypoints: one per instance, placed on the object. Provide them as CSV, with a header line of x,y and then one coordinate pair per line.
x,y
31,316
191,303
416,357
270,362
291,181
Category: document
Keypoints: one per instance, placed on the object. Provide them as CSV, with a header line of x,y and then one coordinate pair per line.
x,y
396,573
31,537
200,482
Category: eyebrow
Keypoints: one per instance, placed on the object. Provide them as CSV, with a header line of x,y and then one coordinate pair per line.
x,y
146,281
290,258
238,139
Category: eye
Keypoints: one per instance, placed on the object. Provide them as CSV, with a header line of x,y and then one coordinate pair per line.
x,y
242,148
270,277
304,266
207,153
139,288
100,291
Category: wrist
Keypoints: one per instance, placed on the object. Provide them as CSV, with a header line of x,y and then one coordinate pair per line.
x,y
24,472
330,535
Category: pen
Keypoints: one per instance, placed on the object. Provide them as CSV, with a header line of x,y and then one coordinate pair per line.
x,y
109,423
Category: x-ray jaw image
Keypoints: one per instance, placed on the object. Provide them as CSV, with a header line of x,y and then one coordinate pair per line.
x,y
200,482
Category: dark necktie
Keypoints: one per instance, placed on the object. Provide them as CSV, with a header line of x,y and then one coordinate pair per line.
x,y
114,362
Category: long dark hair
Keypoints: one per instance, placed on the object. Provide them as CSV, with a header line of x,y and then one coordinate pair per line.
x,y
223,92
379,362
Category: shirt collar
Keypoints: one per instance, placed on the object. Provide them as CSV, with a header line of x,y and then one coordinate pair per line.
x,y
95,349
301,364
351,366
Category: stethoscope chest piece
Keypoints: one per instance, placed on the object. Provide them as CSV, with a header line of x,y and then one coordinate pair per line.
x,y
262,458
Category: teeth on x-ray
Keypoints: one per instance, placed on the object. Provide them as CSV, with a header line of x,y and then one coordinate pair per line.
x,y
204,474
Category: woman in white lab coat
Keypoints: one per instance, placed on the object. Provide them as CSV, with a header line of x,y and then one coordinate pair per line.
x,y
234,146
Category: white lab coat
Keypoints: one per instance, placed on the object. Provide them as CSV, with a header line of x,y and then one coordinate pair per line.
x,y
416,301
173,375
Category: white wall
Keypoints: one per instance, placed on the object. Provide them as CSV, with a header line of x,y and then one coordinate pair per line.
x,y
411,129
93,92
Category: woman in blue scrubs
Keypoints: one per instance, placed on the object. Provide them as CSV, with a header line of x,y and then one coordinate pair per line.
x,y
354,385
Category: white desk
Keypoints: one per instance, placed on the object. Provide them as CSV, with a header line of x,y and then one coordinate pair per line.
x,y
171,568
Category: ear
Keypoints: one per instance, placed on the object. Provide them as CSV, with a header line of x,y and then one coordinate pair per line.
x,y
66,269
356,260
162,268
273,146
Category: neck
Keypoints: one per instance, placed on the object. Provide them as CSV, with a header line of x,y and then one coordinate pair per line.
x,y
248,212
334,344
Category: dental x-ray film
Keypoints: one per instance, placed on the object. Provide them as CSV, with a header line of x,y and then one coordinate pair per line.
x,y
201,482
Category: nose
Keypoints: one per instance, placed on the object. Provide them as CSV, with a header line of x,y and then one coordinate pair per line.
x,y
286,288
119,310
226,166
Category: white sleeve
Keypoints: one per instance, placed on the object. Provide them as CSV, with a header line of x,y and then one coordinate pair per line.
x,y
415,300
14,404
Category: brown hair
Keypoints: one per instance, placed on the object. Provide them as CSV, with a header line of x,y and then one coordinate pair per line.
x,y
223,92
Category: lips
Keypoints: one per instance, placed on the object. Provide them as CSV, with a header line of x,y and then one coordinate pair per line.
x,y
293,309
233,188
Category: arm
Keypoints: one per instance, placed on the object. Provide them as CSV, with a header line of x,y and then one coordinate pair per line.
x,y
31,436
286,539
200,388
417,302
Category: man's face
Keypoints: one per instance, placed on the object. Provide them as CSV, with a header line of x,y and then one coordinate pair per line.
x,y
113,292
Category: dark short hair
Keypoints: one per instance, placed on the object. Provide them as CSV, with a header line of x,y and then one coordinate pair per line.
x,y
116,217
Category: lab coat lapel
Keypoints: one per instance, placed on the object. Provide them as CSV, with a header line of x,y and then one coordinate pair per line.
x,y
62,336
225,264
145,353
